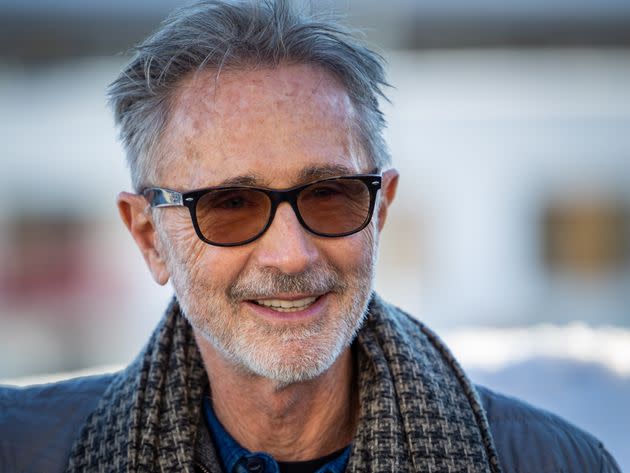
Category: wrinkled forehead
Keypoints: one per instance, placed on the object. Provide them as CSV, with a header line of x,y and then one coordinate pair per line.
x,y
270,124
227,94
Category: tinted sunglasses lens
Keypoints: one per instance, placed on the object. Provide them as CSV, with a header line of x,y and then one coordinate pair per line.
x,y
231,216
335,207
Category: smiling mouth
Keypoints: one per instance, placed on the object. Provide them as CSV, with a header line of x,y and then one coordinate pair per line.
x,y
283,305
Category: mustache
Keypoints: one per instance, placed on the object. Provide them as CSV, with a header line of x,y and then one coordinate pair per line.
x,y
268,282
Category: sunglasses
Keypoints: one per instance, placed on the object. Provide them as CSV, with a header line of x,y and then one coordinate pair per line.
x,y
237,215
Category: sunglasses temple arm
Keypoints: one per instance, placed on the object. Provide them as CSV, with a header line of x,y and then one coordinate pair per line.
x,y
158,197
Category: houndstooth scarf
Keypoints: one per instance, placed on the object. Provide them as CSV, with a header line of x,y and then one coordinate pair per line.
x,y
419,412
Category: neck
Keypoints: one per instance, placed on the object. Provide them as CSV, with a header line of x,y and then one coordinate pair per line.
x,y
300,421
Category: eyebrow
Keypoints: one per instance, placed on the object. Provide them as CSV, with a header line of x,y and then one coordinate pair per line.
x,y
243,180
321,172
308,174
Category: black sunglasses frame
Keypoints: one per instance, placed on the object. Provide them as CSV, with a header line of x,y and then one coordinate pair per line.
x,y
160,197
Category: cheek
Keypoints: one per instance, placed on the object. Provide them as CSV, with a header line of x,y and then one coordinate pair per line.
x,y
370,237
197,266
353,253
184,250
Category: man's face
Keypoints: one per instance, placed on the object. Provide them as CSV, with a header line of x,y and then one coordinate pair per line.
x,y
273,128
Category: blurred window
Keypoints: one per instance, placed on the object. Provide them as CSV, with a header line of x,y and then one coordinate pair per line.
x,y
587,236
45,258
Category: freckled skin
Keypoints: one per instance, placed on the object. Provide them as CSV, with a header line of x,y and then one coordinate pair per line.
x,y
272,124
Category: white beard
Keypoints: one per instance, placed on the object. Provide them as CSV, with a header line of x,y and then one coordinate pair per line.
x,y
288,354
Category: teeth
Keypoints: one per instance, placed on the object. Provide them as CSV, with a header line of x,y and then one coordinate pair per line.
x,y
286,306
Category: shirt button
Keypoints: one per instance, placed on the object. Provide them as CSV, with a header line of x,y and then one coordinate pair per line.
x,y
255,465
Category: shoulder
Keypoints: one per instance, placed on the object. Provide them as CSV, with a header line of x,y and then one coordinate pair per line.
x,y
39,423
529,439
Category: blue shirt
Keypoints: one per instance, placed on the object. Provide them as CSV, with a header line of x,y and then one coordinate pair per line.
x,y
236,459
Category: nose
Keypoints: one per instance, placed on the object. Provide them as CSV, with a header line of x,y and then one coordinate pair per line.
x,y
286,245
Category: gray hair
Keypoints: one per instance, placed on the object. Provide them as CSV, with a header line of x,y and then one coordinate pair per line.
x,y
219,34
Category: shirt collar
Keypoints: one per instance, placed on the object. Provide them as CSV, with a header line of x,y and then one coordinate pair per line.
x,y
230,452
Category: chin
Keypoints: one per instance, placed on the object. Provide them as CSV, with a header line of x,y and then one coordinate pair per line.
x,y
288,361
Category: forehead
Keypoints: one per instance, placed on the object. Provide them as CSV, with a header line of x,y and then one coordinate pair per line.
x,y
272,125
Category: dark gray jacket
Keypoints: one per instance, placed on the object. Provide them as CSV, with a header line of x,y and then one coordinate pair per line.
x,y
39,423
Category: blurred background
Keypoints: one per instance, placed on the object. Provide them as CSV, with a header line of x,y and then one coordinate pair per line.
x,y
509,123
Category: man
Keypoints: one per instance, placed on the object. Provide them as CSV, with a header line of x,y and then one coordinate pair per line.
x,y
262,184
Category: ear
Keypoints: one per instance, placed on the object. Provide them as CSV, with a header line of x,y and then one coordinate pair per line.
x,y
389,185
136,215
